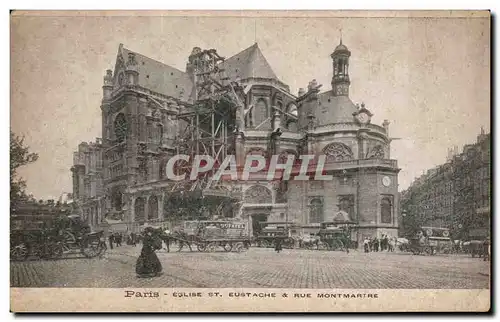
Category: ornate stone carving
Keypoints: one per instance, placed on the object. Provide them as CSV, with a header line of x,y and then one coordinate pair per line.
x,y
258,194
376,153
257,151
341,216
337,152
156,113
283,157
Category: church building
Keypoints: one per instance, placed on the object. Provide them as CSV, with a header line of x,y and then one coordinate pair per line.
x,y
234,106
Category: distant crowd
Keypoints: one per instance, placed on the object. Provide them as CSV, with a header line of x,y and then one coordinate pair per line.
x,y
384,243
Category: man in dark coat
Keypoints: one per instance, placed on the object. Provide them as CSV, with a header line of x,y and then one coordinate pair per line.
x,y
111,240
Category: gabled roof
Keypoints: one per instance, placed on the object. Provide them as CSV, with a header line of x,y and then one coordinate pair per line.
x,y
247,64
158,77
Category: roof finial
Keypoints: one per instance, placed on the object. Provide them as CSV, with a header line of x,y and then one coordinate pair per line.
x,y
255,30
341,36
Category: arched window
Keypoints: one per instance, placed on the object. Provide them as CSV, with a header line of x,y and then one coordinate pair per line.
x,y
340,68
162,169
258,194
316,210
346,203
386,208
143,170
292,126
292,109
153,208
120,127
260,113
337,152
139,208
117,200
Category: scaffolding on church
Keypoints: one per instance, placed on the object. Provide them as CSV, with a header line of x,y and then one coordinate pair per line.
x,y
209,128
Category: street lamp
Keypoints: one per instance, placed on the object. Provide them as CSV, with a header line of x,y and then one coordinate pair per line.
x,y
403,214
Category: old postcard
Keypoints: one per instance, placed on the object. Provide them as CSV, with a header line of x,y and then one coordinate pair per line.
x,y
270,161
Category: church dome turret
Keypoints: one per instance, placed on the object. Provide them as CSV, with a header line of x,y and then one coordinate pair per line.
x,y
341,48
340,79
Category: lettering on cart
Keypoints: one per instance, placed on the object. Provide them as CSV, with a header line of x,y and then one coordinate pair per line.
x,y
143,295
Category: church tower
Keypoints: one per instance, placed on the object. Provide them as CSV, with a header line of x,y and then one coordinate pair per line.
x,y
340,79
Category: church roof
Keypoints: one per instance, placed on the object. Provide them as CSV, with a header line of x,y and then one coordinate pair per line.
x,y
247,64
334,109
159,77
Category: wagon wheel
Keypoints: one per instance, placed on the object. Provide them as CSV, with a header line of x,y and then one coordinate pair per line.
x,y
334,245
68,239
91,248
322,246
265,243
19,252
211,247
228,247
56,250
240,248
201,247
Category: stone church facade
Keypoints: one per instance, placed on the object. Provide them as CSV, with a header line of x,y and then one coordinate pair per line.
x,y
143,100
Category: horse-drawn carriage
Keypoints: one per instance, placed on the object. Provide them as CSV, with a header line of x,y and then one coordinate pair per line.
x,y
51,238
207,236
430,241
333,237
271,232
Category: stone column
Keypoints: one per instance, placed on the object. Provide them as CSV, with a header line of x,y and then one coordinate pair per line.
x,y
146,209
160,206
131,208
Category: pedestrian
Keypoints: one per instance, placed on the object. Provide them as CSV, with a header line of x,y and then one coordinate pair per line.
x,y
118,239
386,243
111,240
166,239
278,247
148,264
392,244
366,244
375,244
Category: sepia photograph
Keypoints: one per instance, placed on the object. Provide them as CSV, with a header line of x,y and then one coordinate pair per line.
x,y
183,161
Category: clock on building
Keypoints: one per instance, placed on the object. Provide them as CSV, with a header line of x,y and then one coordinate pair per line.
x,y
386,181
363,118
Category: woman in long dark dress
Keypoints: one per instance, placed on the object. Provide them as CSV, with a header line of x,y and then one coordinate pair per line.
x,y
278,245
148,264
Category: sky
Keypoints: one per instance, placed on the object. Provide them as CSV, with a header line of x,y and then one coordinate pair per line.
x,y
430,77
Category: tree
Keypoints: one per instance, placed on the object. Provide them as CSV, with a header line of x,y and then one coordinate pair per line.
x,y
20,155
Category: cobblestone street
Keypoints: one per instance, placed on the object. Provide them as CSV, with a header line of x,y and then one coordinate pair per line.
x,y
259,268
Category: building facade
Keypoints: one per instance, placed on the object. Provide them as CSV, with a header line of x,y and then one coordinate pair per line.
x,y
454,195
87,173
151,112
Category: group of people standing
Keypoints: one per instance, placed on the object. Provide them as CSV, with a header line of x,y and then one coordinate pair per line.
x,y
116,239
384,243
